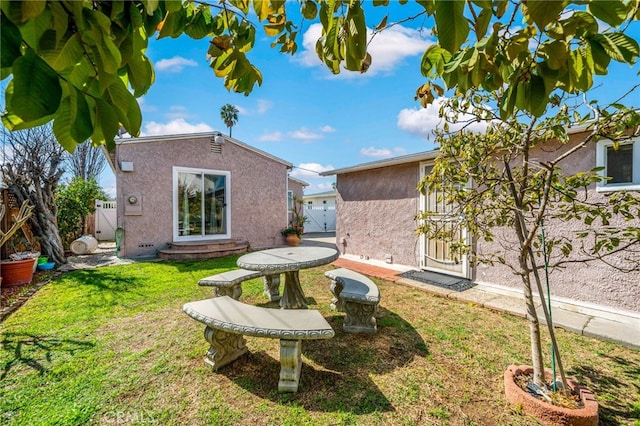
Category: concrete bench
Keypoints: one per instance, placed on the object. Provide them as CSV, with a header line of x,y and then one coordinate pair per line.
x,y
228,320
357,296
229,283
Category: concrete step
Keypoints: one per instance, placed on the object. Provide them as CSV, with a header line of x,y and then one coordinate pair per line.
x,y
203,250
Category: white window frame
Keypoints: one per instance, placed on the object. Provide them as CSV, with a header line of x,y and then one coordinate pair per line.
x,y
227,200
601,161
289,200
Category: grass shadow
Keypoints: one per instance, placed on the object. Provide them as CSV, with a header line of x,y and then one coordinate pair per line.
x,y
394,345
35,351
603,385
319,389
337,375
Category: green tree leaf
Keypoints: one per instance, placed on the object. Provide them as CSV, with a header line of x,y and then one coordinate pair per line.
x,y
356,38
68,56
10,40
451,24
21,11
62,125
81,123
12,121
200,24
106,125
542,12
613,12
309,9
37,90
538,96
141,74
482,23
433,61
556,53
125,106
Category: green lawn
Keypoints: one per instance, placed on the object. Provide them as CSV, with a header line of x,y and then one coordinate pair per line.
x,y
112,346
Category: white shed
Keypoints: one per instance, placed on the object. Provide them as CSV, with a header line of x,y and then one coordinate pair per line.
x,y
320,209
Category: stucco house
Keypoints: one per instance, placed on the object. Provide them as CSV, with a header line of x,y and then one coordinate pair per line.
x,y
202,194
377,203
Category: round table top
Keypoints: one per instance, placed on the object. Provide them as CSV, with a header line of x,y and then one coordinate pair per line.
x,y
287,259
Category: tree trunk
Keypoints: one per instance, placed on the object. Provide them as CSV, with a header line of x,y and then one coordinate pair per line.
x,y
534,328
50,242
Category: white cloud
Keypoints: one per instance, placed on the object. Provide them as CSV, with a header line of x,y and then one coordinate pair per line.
x,y
382,152
271,137
177,112
144,107
263,106
324,186
175,64
174,127
304,134
388,48
242,111
260,108
423,121
309,170
327,129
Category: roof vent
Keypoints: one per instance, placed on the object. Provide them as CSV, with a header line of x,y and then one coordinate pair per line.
x,y
216,148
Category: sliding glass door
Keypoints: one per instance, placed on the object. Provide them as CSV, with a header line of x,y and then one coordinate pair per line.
x,y
201,207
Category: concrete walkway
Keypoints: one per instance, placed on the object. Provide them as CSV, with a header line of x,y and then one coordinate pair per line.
x,y
604,323
622,328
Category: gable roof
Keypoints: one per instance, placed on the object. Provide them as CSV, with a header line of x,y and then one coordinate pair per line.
x,y
324,194
162,138
298,181
411,158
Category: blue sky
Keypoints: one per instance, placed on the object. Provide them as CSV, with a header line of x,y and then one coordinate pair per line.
x,y
304,114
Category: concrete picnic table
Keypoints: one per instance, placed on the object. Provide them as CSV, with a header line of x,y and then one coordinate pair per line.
x,y
289,261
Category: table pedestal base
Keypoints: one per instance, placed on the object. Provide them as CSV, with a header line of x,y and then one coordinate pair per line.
x,y
272,287
292,296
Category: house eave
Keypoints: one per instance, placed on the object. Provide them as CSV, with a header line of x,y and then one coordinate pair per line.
x,y
298,181
164,138
411,158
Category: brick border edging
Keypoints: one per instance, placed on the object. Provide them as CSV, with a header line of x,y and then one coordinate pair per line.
x,y
544,412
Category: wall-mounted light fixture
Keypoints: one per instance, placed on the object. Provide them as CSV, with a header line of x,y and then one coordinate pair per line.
x,y
219,139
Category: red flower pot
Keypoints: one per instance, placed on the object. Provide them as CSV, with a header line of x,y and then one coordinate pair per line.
x,y
17,272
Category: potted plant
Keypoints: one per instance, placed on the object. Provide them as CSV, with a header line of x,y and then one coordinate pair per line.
x,y
292,235
20,271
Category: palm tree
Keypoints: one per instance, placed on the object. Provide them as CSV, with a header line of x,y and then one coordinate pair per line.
x,y
229,114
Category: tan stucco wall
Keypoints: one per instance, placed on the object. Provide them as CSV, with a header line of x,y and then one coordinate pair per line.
x,y
257,195
375,214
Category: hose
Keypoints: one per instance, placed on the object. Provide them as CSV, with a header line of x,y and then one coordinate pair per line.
x,y
119,235
546,275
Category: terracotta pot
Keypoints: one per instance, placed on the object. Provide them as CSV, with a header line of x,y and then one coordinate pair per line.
x,y
544,412
17,272
292,240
